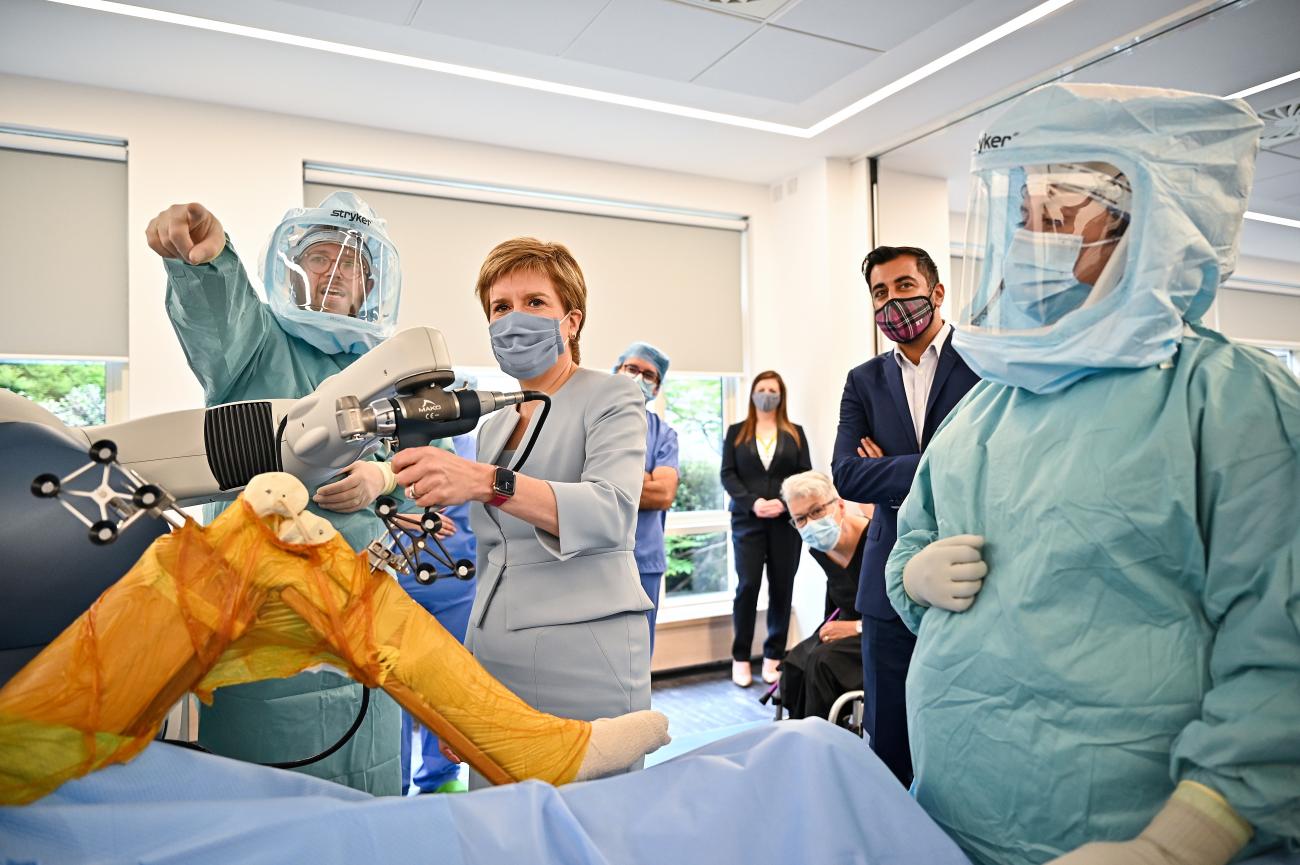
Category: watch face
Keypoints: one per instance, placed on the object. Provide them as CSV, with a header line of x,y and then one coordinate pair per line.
x,y
504,483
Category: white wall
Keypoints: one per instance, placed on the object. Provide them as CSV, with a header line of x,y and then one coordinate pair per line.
x,y
246,166
812,320
913,210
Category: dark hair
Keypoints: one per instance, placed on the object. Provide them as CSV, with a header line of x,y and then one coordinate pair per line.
x,y
750,425
884,254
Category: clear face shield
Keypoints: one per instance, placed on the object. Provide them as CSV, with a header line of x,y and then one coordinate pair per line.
x,y
1042,241
336,271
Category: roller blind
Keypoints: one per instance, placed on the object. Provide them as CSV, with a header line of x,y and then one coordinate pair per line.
x,y
1259,316
676,286
63,246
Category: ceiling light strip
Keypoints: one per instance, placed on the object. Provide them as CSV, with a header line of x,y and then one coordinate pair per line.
x,y
1038,12
1123,45
454,69
1276,220
1267,85
1042,10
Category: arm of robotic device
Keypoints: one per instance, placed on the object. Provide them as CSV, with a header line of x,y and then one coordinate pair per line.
x,y
204,455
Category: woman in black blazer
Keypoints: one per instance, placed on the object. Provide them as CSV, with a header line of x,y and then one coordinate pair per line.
x,y
757,455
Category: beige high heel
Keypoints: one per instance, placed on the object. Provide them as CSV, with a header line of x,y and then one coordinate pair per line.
x,y
741,673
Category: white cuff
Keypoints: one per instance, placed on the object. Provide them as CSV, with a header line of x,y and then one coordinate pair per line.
x,y
390,478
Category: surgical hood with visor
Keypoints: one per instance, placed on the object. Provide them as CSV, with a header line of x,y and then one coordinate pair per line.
x,y
332,275
1101,220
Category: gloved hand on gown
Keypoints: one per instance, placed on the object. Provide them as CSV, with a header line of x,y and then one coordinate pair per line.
x,y
1195,827
947,574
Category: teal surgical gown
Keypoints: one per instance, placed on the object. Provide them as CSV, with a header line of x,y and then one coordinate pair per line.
x,y
1140,622
238,352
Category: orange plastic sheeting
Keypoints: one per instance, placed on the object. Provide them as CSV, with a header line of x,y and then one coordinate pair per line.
x,y
231,603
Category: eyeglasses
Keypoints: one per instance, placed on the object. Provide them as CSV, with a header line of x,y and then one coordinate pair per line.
x,y
348,264
647,374
813,515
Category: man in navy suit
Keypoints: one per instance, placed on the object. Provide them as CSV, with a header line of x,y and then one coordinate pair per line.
x,y
891,407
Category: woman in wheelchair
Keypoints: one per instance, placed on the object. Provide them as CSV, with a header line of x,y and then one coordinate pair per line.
x,y
828,663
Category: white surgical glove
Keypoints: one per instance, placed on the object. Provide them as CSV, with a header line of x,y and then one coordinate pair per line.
x,y
362,483
947,574
1196,826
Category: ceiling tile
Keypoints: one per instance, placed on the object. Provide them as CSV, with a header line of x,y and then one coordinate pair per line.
x,y
659,38
541,27
1269,164
754,10
1283,186
785,66
1230,50
385,11
878,24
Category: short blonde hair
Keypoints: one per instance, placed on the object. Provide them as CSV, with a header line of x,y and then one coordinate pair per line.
x,y
810,485
552,260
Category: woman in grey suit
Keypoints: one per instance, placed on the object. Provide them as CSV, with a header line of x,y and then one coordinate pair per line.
x,y
559,616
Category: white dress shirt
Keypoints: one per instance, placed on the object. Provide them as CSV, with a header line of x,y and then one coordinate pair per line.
x,y
919,377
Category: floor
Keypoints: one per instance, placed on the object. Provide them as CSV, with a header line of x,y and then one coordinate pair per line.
x,y
705,701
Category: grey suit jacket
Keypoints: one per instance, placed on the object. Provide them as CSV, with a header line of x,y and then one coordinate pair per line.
x,y
592,452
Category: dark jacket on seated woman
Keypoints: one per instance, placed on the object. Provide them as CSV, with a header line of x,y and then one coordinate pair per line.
x,y
814,673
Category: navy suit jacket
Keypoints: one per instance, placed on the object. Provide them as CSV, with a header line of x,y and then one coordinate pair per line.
x,y
875,405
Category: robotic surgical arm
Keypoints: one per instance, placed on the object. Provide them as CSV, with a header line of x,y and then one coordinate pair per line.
x,y
396,393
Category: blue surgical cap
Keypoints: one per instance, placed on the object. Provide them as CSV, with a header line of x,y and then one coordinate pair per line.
x,y
647,352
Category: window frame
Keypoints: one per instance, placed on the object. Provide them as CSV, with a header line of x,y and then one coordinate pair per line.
x,y
1287,352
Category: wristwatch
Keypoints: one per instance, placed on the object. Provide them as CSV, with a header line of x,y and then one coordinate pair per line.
x,y
858,626
503,487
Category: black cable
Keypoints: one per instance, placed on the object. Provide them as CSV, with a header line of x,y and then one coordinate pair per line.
x,y
356,725
181,743
295,764
545,399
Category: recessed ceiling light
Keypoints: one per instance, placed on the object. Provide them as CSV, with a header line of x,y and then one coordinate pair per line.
x,y
1024,20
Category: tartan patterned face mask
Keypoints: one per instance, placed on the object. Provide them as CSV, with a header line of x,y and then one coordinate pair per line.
x,y
903,319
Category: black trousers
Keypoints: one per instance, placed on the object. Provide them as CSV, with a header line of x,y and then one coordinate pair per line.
x,y
758,542
886,652
815,674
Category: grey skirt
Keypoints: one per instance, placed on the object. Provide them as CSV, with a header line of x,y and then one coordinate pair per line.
x,y
583,670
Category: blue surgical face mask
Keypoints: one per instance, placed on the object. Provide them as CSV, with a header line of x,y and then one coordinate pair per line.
x,y
1038,274
526,345
821,534
647,389
764,401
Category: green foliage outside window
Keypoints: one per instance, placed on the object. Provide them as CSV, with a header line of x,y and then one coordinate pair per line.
x,y
699,487
73,392
694,410
696,563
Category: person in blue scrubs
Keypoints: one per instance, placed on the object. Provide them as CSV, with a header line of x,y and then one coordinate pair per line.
x,y
449,601
648,366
